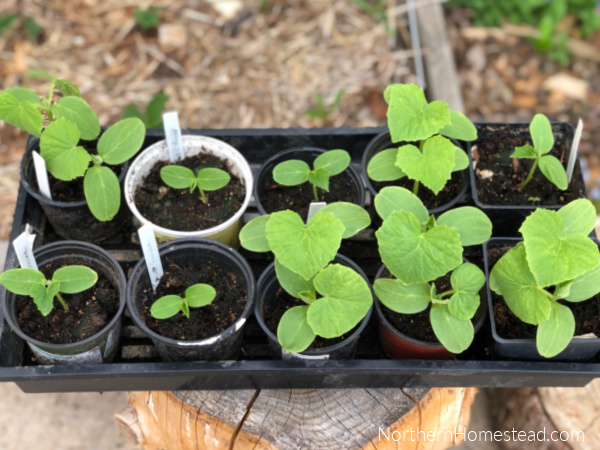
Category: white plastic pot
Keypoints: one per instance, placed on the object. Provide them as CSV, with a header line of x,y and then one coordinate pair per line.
x,y
228,231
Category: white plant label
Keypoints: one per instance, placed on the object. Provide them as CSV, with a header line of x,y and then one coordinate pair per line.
x,y
314,208
574,150
41,174
150,249
173,135
23,246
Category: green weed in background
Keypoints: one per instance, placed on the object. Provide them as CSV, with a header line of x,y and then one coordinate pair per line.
x,y
147,19
152,117
323,111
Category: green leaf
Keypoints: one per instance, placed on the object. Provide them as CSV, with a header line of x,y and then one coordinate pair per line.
x,y
401,298
583,287
155,109
132,111
578,217
291,173
433,167
23,94
526,151
333,161
461,160
541,133
459,128
147,18
320,178
353,217
6,21
394,198
121,141
553,335
102,192
410,118
293,332
553,254
166,306
79,112
467,280
58,146
414,256
304,249
177,177
44,297
345,302
21,114
473,226
20,281
185,309
32,29
75,279
253,235
454,334
293,283
382,166
200,295
512,279
211,179
67,88
552,168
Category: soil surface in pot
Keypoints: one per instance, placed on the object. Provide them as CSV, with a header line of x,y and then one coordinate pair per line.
x,y
206,321
509,326
492,157
89,311
180,210
284,301
276,197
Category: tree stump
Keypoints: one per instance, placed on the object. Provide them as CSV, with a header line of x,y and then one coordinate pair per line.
x,y
291,419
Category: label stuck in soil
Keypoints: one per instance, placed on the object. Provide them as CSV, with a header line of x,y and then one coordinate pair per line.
x,y
314,208
41,174
173,135
151,255
23,246
574,150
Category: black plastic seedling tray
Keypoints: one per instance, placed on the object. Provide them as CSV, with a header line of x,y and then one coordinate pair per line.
x,y
138,367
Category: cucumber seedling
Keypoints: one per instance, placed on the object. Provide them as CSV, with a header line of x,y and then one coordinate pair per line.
x,y
207,179
195,296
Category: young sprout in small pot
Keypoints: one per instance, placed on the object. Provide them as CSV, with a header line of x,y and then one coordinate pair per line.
x,y
555,262
336,298
196,296
418,249
207,179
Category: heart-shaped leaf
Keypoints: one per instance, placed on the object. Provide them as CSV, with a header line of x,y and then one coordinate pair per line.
x,y
525,151
166,306
253,235
459,128
122,141
382,166
75,278
67,88
555,334
473,226
582,288
293,332
102,192
293,283
455,334
394,198
58,146
320,178
23,94
20,281
200,294
291,173
578,216
353,217
402,298
333,161
79,112
21,114
467,280
44,297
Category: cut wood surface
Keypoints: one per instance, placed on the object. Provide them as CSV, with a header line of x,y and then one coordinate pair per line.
x,y
294,419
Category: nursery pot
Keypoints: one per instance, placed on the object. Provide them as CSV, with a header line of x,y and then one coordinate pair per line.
x,y
382,142
267,287
96,349
507,219
223,346
227,232
308,155
71,220
525,349
398,345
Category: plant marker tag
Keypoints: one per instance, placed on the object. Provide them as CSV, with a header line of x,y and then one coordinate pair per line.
x,y
173,135
150,249
41,174
23,246
574,150
314,208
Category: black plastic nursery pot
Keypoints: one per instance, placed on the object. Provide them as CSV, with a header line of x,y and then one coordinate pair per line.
x,y
98,348
494,145
194,252
71,220
579,349
457,186
264,182
267,287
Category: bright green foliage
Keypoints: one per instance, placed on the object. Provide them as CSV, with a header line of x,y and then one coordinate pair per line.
x,y
556,252
31,282
543,141
207,179
326,165
154,111
147,18
196,296
426,155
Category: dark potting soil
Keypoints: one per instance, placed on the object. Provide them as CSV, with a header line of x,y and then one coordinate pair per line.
x,y
284,301
89,311
180,210
277,197
492,157
206,321
509,326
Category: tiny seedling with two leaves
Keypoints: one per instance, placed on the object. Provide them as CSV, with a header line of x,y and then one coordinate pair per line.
x,y
303,253
427,155
207,179
195,296
294,171
31,282
417,249
555,261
